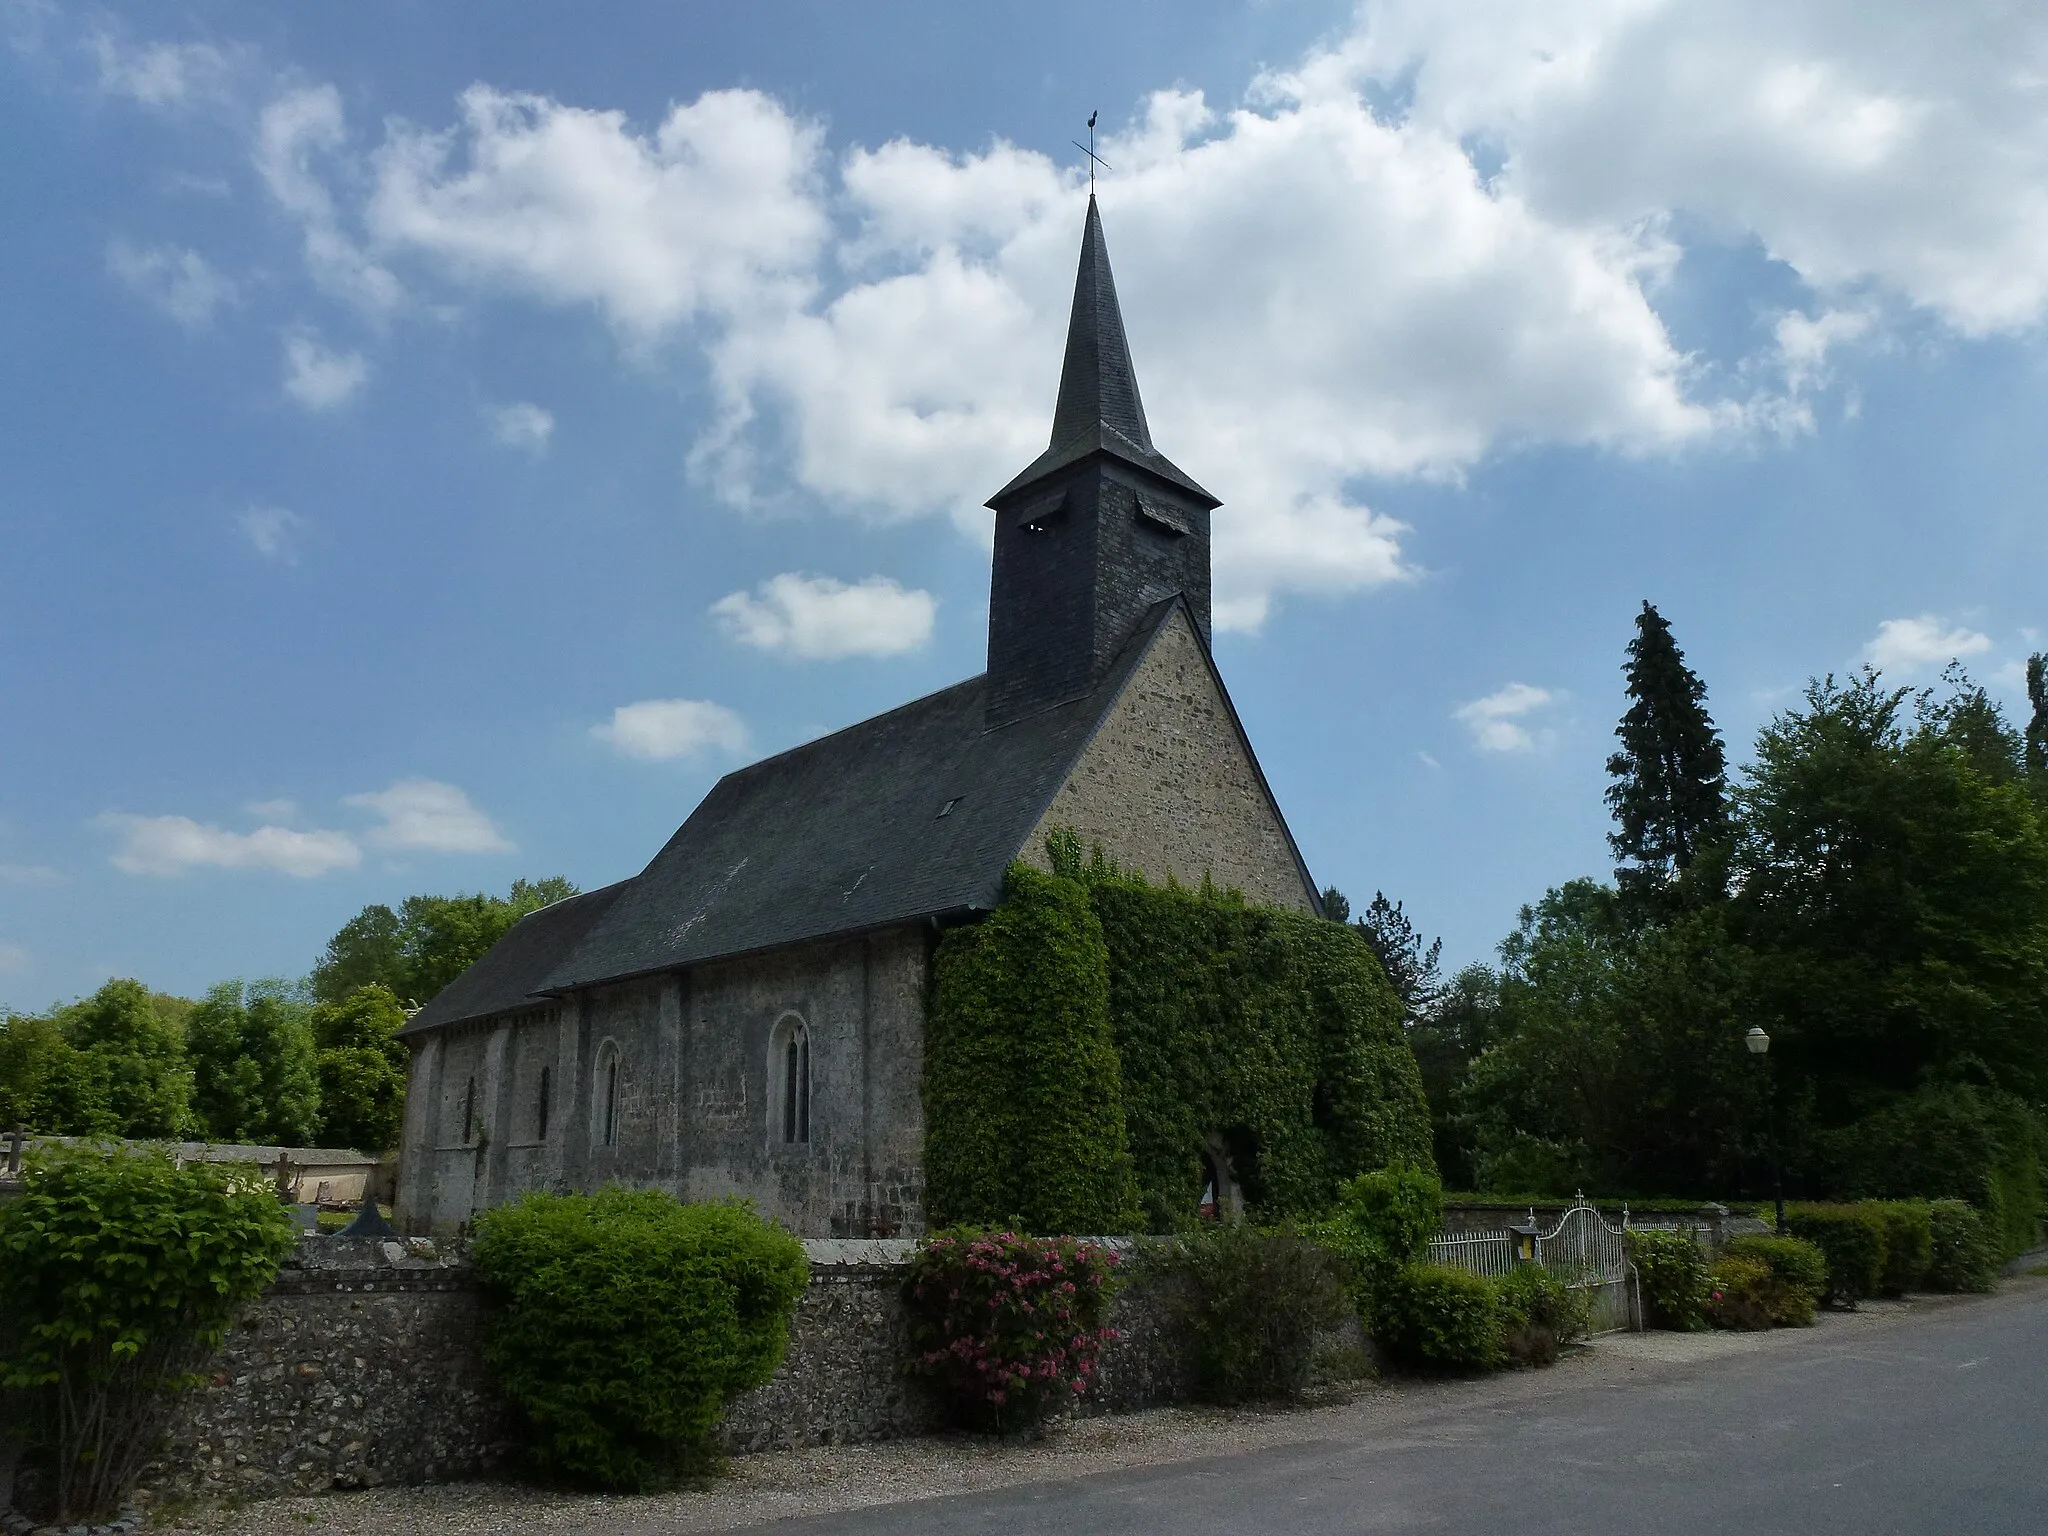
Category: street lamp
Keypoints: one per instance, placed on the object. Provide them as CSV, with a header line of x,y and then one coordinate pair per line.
x,y
1759,1045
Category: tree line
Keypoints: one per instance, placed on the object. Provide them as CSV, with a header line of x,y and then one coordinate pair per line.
x,y
314,1061
1870,890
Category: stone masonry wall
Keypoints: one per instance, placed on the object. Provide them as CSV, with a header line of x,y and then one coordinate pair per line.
x,y
361,1367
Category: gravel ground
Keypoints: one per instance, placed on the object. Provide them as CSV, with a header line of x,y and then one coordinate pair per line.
x,y
783,1484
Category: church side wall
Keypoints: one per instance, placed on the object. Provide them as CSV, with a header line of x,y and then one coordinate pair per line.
x,y
1168,785
697,1102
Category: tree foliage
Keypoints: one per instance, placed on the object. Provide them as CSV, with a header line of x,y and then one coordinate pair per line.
x,y
255,1074
1668,795
427,942
362,1069
119,1272
128,1075
1410,965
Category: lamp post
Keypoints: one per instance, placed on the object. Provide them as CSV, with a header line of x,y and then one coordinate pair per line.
x,y
1759,1045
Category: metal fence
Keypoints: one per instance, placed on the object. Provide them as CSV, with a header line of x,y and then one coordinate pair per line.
x,y
1584,1250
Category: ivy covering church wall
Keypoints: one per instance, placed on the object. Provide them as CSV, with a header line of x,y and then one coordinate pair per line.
x,y
1272,1029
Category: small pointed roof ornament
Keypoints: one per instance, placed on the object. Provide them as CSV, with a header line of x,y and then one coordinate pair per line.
x,y
369,1220
1099,408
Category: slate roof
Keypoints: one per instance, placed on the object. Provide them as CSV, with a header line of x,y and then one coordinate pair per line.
x,y
1099,409
512,970
852,832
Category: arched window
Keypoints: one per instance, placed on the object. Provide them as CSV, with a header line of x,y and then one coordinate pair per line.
x,y
540,1109
604,1108
795,1066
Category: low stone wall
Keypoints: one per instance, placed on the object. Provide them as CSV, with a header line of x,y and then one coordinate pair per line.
x,y
361,1367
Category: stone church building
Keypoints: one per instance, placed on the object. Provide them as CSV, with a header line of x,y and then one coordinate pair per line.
x,y
745,1016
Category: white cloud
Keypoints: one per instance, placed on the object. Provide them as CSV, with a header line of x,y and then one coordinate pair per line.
x,y
817,618
1323,286
273,532
319,379
430,817
15,960
179,282
171,845
659,729
1496,720
28,874
279,811
1915,645
712,210
296,131
162,74
521,425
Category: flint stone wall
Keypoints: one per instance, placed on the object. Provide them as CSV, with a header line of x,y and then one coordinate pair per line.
x,y
361,1367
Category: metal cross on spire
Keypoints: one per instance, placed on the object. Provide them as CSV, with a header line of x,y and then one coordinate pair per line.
x,y
1088,149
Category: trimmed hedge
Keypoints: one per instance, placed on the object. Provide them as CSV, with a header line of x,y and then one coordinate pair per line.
x,y
1437,1319
1089,1037
1742,1294
1672,1268
1853,1239
1798,1275
1382,1223
624,1321
1962,1254
1908,1245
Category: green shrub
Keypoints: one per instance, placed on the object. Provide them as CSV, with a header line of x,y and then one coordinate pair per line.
x,y
1253,1304
1742,1294
1023,1092
119,1273
1963,1256
1009,1326
624,1321
1799,1275
1672,1269
1431,1317
1382,1223
1539,1313
1853,1238
1908,1245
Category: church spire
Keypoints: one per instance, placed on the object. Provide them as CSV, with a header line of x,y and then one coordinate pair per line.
x,y
1099,409
1099,530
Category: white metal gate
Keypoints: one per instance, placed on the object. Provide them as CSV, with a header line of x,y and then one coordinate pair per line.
x,y
1584,1250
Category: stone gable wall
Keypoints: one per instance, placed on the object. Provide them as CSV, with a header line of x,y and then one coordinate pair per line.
x,y
1169,785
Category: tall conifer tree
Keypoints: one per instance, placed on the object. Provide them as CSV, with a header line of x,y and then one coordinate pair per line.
x,y
2037,726
1669,793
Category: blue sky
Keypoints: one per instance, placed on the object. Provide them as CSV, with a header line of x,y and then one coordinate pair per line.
x,y
436,442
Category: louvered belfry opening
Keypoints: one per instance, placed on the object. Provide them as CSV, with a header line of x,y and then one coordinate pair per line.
x,y
1098,529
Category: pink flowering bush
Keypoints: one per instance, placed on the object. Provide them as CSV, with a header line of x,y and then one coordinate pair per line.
x,y
1009,1326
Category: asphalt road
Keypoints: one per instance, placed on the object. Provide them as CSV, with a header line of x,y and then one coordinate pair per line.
x,y
1938,1425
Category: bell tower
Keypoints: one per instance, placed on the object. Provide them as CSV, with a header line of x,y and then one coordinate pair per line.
x,y
1099,528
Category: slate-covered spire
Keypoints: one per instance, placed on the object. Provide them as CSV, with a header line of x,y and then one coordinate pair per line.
x,y
1099,408
1099,529
1097,384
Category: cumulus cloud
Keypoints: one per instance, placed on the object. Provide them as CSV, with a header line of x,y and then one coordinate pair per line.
x,y
1440,236
522,425
1921,644
1496,721
173,845
817,618
181,283
705,212
660,729
427,816
319,379
272,532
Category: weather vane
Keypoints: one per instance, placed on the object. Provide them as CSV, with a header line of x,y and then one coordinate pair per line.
x,y
1088,149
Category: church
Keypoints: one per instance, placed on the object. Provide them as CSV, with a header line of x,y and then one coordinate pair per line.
x,y
745,1017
